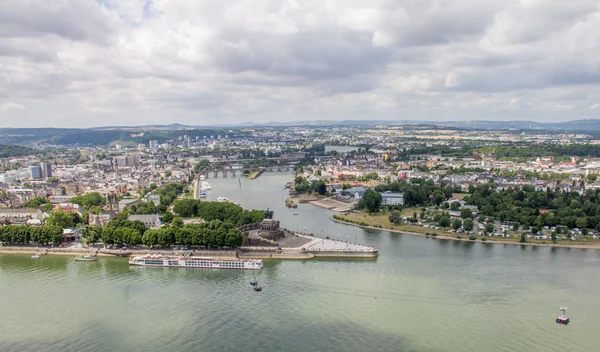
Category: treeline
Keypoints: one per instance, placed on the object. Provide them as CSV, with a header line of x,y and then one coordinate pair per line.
x,y
39,203
10,150
213,234
222,211
301,185
23,234
89,200
529,207
534,150
444,150
419,192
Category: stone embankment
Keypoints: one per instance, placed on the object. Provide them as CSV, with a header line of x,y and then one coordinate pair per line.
x,y
111,252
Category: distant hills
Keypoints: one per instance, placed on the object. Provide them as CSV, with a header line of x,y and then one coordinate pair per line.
x,y
107,135
587,124
593,124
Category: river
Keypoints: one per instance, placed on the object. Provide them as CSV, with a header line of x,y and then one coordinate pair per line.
x,y
420,294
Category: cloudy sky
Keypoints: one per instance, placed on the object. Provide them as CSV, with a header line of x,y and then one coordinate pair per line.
x,y
83,63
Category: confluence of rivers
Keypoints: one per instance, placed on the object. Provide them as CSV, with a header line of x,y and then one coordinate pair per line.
x,y
420,294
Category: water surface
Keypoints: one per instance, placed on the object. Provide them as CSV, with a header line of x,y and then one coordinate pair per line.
x,y
419,295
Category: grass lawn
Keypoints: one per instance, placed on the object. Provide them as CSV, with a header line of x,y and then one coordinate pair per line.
x,y
381,220
459,195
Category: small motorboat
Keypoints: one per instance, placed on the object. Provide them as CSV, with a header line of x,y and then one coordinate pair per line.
x,y
86,258
563,318
296,214
37,256
257,288
254,282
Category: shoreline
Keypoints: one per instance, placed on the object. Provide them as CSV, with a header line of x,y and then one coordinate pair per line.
x,y
444,237
103,252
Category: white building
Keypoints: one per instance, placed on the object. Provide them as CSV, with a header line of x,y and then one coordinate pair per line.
x,y
389,198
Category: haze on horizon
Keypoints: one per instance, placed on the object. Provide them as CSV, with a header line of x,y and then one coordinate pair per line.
x,y
82,63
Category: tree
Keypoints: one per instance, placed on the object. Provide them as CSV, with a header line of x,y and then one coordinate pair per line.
x,y
186,207
455,206
468,224
395,217
438,197
489,228
371,201
444,221
177,222
91,234
523,237
60,219
201,165
554,237
581,222
321,188
168,217
466,213
456,224
89,200
35,202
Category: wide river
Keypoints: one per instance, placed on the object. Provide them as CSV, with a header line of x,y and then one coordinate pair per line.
x,y
419,295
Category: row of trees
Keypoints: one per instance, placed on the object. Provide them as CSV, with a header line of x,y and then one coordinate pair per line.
x,y
213,234
534,150
538,208
23,234
217,211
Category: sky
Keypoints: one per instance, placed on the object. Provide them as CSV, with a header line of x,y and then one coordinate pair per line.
x,y
84,63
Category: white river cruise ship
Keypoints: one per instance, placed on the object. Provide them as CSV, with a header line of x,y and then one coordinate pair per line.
x,y
196,262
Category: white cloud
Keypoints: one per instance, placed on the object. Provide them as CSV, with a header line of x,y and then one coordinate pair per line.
x,y
595,106
9,105
201,62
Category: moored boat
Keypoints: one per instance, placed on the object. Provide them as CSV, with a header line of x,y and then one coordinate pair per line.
x,y
86,258
196,262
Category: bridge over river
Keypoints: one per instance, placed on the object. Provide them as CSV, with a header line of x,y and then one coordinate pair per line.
x,y
225,167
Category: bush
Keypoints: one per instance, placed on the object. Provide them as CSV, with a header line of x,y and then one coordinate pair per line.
x,y
484,239
459,237
434,234
472,238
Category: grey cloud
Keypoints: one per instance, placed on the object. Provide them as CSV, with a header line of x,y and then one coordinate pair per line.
x,y
79,20
136,61
330,53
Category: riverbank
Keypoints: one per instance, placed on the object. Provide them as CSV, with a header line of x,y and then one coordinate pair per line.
x,y
107,252
255,174
333,204
455,238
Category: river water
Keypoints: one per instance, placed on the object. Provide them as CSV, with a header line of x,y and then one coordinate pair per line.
x,y
419,295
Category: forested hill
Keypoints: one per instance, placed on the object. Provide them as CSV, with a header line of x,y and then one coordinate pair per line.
x,y
95,137
11,150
